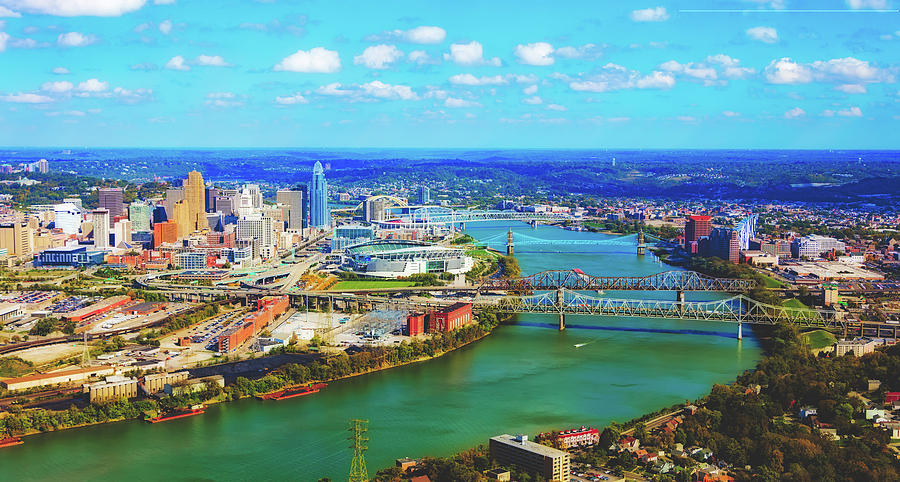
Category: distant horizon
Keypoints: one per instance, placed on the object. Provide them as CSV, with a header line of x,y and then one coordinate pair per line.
x,y
344,148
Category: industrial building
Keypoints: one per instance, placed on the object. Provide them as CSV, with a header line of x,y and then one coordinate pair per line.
x,y
55,378
69,257
832,271
549,462
156,382
393,258
115,387
99,308
813,246
268,309
450,318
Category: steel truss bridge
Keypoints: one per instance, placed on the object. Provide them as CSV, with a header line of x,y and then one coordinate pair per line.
x,y
738,309
521,239
438,216
577,280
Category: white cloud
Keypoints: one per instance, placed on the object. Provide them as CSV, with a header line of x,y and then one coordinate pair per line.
x,y
557,107
867,4
333,89
425,34
57,87
533,100
60,70
378,56
764,34
697,71
381,90
165,27
132,96
177,63
211,61
419,57
456,103
731,67
27,43
848,112
92,85
222,99
291,99
616,77
786,71
471,53
530,90
21,98
75,39
794,113
5,12
846,70
583,51
658,14
316,60
852,88
4,37
469,79
76,8
538,53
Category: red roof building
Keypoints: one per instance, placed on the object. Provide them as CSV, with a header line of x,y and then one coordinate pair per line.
x,y
451,318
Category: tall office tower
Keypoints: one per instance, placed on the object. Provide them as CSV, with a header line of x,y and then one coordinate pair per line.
x,y
159,214
304,210
164,232
139,215
181,214
111,200
195,196
696,227
76,201
373,209
424,195
42,166
122,232
67,217
225,204
256,196
17,238
244,203
319,217
211,194
258,228
294,201
172,197
100,219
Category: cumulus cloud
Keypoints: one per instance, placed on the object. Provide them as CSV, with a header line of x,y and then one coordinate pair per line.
x,y
530,90
469,79
317,60
211,61
165,27
471,53
533,100
419,57
297,98
580,52
538,53
5,12
794,113
691,69
846,70
375,90
425,34
848,112
76,8
132,96
60,70
454,102
75,39
852,88
222,99
26,98
177,63
764,34
57,87
867,4
379,56
730,66
92,86
616,77
657,14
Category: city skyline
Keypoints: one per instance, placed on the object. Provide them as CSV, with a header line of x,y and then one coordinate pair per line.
x,y
131,72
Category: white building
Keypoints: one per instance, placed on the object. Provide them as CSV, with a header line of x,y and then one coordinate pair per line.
x,y
67,217
259,228
100,220
814,245
122,232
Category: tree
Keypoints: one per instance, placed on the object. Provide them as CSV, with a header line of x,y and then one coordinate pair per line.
x,y
44,327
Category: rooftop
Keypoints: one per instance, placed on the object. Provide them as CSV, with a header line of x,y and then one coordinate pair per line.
x,y
511,440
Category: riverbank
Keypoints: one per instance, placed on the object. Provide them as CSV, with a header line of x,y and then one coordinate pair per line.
x,y
330,369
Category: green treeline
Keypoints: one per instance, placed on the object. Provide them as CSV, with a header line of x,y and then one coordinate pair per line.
x,y
509,266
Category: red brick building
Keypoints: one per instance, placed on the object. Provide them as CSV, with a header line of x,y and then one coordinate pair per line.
x,y
696,227
267,310
451,318
165,232
415,324
578,437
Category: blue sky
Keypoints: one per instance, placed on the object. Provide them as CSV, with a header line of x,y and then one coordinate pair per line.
x,y
522,74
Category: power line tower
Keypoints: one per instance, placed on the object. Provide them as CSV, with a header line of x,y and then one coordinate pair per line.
x,y
358,472
85,354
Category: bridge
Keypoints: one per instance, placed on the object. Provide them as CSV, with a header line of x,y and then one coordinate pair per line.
x,y
576,279
437,216
522,239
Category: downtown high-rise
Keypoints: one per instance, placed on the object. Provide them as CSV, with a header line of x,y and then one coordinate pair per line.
x,y
319,216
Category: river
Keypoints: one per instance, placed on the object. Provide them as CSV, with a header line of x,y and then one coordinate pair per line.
x,y
526,377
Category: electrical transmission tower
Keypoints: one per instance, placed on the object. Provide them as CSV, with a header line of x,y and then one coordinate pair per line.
x,y
85,354
358,471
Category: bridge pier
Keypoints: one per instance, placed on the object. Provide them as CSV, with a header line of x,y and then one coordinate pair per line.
x,y
641,248
679,300
740,331
560,300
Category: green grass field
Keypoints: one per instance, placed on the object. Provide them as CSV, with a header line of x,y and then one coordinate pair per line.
x,y
772,282
818,339
371,284
794,303
482,254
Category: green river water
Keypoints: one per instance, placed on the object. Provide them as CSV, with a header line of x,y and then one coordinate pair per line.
x,y
525,378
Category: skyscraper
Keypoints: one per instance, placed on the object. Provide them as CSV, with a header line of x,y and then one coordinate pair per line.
x,y
182,217
319,217
111,199
139,215
256,196
696,227
211,194
294,201
424,195
173,196
100,218
195,197
67,217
